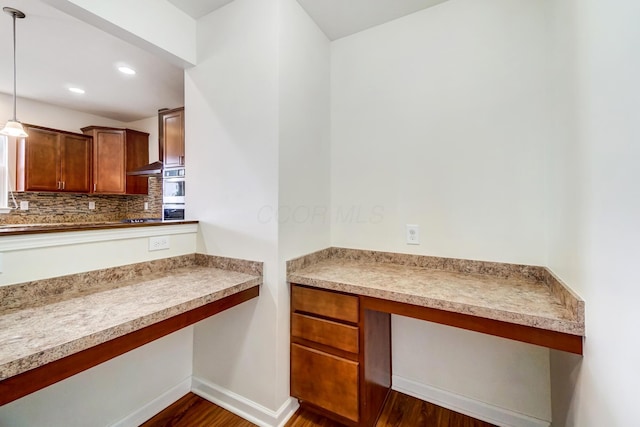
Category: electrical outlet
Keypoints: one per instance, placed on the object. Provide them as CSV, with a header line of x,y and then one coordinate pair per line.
x,y
146,206
413,234
158,243
24,205
92,205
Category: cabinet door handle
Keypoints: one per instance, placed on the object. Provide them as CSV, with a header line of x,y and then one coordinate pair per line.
x,y
94,187
63,185
59,186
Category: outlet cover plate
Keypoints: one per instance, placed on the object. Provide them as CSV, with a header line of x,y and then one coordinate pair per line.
x,y
158,243
413,234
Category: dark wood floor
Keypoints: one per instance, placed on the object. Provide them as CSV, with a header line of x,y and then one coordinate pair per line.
x,y
399,411
192,411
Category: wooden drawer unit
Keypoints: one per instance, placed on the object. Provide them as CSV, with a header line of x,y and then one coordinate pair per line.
x,y
330,383
333,370
326,332
325,303
325,366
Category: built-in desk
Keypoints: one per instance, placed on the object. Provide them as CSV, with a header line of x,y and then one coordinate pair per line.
x,y
524,303
54,328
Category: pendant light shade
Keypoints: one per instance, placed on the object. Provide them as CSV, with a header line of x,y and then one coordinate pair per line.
x,y
13,127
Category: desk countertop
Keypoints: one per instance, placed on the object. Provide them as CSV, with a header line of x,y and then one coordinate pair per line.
x,y
517,294
47,320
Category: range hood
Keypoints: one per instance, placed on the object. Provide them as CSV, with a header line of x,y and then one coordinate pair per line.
x,y
152,169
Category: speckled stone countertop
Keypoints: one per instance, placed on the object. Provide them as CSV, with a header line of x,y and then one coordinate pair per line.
x,y
519,294
17,229
46,320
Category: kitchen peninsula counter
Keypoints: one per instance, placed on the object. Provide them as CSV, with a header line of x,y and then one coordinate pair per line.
x,y
525,303
20,229
54,328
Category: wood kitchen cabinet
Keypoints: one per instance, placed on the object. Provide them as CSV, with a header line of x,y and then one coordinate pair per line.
x,y
53,160
116,151
340,355
171,130
137,154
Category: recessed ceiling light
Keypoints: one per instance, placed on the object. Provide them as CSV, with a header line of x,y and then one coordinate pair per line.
x,y
76,90
126,70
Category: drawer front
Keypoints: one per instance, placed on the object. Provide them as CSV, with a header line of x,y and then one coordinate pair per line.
x,y
325,303
327,381
337,335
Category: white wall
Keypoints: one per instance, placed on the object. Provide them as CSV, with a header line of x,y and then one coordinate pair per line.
x,y
303,211
52,116
113,392
439,119
258,127
231,99
565,178
54,255
594,241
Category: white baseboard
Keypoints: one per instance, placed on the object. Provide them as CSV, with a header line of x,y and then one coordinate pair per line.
x,y
474,408
156,405
243,407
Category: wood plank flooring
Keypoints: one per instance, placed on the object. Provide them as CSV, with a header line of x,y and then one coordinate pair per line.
x,y
403,410
194,411
399,411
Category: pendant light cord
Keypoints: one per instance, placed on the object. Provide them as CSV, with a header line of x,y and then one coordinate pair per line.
x,y
13,127
14,67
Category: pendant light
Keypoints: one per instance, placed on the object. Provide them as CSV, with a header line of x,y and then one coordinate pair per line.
x,y
13,126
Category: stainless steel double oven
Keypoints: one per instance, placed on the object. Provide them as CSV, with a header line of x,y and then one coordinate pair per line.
x,y
173,194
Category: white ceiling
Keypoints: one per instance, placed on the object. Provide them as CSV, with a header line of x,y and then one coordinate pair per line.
x,y
337,18
55,51
199,8
340,18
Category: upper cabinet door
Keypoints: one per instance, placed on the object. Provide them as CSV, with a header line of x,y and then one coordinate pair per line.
x,y
172,137
75,155
38,161
109,161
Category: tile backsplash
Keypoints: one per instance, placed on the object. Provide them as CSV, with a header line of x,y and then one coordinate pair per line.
x,y
66,207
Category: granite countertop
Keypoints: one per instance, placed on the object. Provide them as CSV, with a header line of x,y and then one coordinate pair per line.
x,y
46,320
519,294
17,229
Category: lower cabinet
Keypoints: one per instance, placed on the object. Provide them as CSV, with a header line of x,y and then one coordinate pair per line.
x,y
340,356
325,380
